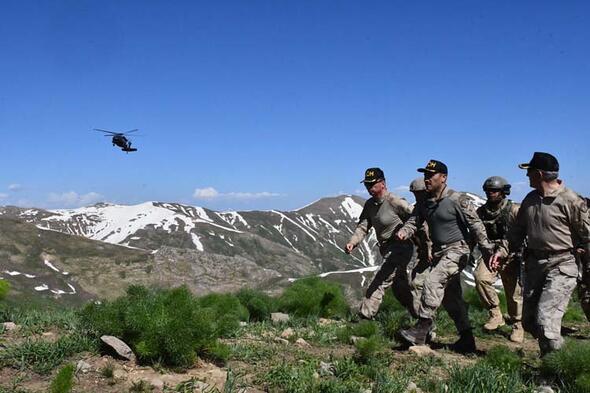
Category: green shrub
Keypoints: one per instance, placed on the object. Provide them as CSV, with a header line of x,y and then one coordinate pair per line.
x,y
169,326
502,358
37,320
259,304
392,322
582,383
314,297
365,329
64,380
291,379
217,352
226,310
570,365
390,304
482,377
4,288
366,348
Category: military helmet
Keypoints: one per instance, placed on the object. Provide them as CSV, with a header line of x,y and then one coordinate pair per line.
x,y
497,183
417,185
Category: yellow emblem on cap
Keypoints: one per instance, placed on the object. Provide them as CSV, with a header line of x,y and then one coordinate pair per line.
x,y
370,173
431,164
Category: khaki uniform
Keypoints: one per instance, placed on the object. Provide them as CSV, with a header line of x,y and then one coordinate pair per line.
x,y
584,278
399,257
496,223
451,221
553,225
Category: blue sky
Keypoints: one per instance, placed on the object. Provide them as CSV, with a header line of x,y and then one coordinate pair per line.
x,y
273,104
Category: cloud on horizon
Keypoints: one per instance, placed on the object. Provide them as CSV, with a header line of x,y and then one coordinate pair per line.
x,y
15,187
211,193
73,199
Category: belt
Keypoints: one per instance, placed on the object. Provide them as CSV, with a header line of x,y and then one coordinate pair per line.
x,y
440,247
544,254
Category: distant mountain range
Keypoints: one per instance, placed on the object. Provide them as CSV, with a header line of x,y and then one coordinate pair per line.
x,y
96,251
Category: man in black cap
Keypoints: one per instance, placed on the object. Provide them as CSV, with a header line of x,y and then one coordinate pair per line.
x,y
452,221
386,213
554,220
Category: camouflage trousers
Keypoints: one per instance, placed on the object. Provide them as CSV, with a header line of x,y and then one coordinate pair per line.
x,y
484,284
443,285
584,289
396,272
548,285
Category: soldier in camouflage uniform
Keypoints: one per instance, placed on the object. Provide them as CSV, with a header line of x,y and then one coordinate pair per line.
x,y
584,277
452,221
554,220
386,213
497,215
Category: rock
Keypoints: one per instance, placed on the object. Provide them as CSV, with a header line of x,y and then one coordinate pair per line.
x,y
413,388
544,389
355,339
119,346
287,333
242,323
119,374
10,326
278,317
324,321
422,350
315,375
302,343
157,383
281,340
82,366
327,369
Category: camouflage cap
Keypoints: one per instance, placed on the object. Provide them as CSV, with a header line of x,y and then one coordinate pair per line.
x,y
417,185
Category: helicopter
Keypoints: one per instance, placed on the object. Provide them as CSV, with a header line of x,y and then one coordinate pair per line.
x,y
120,139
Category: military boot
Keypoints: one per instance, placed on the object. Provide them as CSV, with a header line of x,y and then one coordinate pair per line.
x,y
417,335
496,319
517,334
466,342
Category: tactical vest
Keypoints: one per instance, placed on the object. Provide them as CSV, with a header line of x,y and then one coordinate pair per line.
x,y
496,222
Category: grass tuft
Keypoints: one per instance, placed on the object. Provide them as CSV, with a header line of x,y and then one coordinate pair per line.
x,y
64,380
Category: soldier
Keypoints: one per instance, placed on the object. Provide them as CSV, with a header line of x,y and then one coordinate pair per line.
x,y
584,278
386,213
451,217
554,220
497,215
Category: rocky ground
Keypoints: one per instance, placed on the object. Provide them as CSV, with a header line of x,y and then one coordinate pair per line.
x,y
285,355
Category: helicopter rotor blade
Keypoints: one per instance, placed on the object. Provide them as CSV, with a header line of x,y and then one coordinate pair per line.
x,y
129,132
108,132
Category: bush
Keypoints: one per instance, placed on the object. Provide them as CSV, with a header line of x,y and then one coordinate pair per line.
x,y
314,297
259,304
169,326
365,329
570,365
4,288
366,348
63,381
226,310
502,358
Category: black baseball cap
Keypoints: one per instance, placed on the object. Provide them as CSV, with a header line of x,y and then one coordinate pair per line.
x,y
542,161
373,175
435,166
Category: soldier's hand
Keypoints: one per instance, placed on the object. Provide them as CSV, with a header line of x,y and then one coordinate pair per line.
x,y
494,261
401,235
348,248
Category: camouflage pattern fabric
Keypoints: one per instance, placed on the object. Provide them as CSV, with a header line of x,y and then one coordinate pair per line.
x,y
395,272
442,285
484,284
548,285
